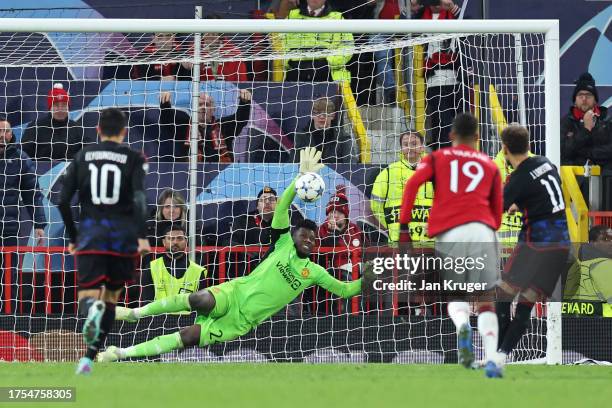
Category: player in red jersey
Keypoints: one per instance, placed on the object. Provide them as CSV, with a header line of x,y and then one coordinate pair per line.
x,y
466,212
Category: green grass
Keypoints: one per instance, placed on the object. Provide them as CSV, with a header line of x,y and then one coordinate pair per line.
x,y
151,385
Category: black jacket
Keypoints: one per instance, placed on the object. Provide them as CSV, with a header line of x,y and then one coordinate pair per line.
x,y
579,145
251,229
18,177
230,126
49,139
156,230
334,144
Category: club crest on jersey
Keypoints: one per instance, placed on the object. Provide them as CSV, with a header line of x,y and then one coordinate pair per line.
x,y
305,273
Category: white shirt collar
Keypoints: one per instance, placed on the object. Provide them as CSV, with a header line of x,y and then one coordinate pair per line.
x,y
316,12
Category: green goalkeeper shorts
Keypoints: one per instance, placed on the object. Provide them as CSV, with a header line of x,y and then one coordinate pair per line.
x,y
224,322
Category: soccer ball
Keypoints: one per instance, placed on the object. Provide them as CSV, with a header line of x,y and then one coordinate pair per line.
x,y
309,187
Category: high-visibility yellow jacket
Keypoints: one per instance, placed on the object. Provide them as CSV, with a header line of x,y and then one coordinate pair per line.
x,y
387,193
511,224
167,285
321,41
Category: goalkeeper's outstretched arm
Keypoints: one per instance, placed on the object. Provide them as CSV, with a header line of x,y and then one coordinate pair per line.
x,y
337,287
280,220
309,163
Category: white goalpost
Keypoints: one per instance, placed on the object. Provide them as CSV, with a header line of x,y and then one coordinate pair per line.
x,y
498,66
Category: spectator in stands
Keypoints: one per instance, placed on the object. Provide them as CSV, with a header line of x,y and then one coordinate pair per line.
x,y
218,46
55,136
162,46
388,191
586,131
331,68
325,135
216,135
254,228
340,233
441,74
281,8
340,244
171,210
173,272
385,60
19,191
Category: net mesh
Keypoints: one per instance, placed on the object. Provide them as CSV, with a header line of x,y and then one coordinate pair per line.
x,y
83,49
250,126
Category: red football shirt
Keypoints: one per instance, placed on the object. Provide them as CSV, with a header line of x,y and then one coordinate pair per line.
x,y
467,188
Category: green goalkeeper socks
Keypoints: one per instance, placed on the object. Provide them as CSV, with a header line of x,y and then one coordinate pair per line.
x,y
158,345
173,304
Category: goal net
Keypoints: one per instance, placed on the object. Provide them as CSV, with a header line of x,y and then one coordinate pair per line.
x,y
220,122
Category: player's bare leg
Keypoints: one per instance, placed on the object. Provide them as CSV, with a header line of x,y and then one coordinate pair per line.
x,y
99,305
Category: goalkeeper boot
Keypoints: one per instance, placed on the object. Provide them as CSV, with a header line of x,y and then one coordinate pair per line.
x,y
84,367
493,370
109,355
91,327
464,343
126,314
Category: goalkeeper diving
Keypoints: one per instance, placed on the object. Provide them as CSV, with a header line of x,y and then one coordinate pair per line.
x,y
233,308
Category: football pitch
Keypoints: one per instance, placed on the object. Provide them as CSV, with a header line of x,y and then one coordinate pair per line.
x,y
327,385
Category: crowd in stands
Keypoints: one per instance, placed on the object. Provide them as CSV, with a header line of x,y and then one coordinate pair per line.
x,y
57,137
586,138
215,135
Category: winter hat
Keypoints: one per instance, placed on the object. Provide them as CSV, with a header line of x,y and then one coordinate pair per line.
x,y
585,83
57,94
338,202
267,189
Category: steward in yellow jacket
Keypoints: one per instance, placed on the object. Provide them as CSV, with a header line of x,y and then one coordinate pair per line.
x,y
388,190
298,67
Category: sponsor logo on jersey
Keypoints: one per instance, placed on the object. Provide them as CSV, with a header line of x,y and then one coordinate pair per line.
x,y
285,271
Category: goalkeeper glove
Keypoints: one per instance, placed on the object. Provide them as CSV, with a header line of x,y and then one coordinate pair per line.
x,y
310,160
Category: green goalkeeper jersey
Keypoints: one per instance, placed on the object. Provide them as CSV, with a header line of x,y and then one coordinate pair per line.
x,y
283,274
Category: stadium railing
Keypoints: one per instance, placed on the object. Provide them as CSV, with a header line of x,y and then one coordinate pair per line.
x,y
42,290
